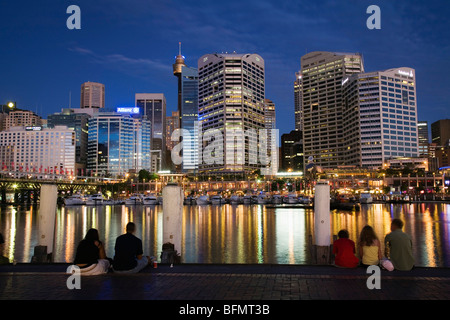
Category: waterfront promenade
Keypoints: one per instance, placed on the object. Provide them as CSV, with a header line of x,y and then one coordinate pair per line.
x,y
224,282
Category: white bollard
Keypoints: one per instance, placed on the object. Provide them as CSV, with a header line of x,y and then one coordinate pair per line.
x,y
47,216
172,215
322,227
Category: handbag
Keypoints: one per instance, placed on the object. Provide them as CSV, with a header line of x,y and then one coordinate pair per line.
x,y
387,264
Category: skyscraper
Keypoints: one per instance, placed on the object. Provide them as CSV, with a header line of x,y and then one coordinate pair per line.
x,y
440,132
272,135
321,92
424,141
79,123
379,117
298,101
231,103
118,143
153,108
92,95
177,70
189,118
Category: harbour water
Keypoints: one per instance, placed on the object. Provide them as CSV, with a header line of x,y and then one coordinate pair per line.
x,y
228,233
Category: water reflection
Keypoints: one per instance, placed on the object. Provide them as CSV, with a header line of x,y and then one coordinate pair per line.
x,y
228,233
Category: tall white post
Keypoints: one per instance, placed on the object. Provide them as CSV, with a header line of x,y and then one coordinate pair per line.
x,y
322,227
172,215
46,222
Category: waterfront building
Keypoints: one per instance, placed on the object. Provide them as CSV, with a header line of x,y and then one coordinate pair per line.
x,y
20,118
153,108
118,143
423,138
231,103
270,123
440,132
322,74
292,151
92,95
298,90
79,123
172,123
380,117
38,150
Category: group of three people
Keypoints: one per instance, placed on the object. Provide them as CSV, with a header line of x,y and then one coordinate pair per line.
x,y
398,248
91,258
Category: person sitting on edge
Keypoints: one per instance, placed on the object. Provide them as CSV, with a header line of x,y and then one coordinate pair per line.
x,y
369,247
128,252
3,260
398,247
344,251
91,256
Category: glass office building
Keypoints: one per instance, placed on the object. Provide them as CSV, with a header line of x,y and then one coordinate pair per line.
x,y
189,118
118,143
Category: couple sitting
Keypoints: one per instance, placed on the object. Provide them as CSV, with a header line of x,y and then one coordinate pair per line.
x,y
91,257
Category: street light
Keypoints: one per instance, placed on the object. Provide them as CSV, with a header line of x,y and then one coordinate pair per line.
x,y
11,105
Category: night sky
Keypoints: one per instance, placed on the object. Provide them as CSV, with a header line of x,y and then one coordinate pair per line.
x,y
130,46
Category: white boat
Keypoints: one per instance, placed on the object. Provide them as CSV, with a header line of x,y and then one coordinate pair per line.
x,y
292,198
95,199
247,199
217,199
190,200
150,200
134,199
262,199
202,200
366,197
304,200
235,199
277,199
74,200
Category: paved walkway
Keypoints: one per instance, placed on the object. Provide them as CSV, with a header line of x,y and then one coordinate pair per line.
x,y
224,282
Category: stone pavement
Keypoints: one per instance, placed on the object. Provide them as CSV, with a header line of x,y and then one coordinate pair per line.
x,y
224,282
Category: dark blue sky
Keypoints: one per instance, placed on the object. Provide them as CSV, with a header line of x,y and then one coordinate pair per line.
x,y
130,46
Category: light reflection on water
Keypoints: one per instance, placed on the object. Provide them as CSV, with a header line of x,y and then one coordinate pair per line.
x,y
228,234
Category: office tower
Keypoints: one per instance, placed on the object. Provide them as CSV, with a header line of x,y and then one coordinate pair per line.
x,y
440,132
20,118
37,150
118,143
424,141
272,135
153,108
231,103
292,151
172,123
298,101
380,117
189,118
79,123
322,74
92,95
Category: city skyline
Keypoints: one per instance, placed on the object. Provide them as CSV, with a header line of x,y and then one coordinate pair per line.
x,y
41,50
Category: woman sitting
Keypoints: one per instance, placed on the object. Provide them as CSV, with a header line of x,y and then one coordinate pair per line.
x,y
90,256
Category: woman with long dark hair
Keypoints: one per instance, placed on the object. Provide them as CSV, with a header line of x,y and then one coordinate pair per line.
x,y
369,247
90,256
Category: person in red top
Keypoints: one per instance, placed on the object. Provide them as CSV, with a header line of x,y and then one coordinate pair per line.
x,y
344,251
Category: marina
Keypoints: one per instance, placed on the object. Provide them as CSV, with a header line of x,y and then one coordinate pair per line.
x,y
229,233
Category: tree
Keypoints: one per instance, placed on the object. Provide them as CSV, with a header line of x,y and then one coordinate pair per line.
x,y
144,175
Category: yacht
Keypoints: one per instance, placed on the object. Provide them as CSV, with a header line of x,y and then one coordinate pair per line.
x,y
366,197
190,200
247,199
262,199
95,199
202,200
134,199
235,199
304,200
277,199
150,199
292,198
217,199
74,200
